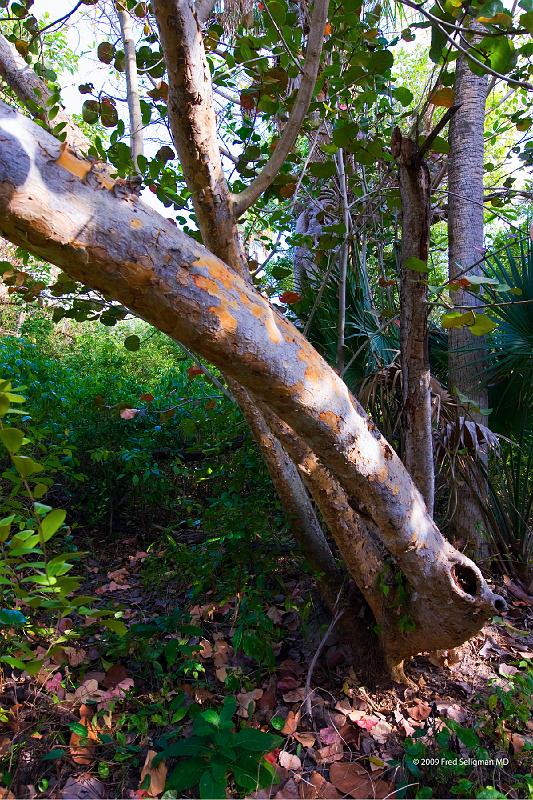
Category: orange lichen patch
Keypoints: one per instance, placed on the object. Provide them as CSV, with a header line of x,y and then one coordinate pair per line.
x,y
136,223
313,373
303,355
395,490
382,475
210,286
76,166
227,321
216,269
331,420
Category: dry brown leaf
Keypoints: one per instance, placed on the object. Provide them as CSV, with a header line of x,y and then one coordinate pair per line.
x,y
5,794
305,739
246,701
5,745
206,649
316,787
329,735
222,652
288,761
419,712
295,695
221,674
291,723
288,792
83,787
347,777
83,754
332,752
158,775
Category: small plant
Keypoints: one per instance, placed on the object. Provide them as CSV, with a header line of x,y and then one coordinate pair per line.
x,y
217,753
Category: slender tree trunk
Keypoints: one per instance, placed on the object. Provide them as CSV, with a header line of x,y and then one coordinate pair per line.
x,y
467,353
415,188
343,263
132,86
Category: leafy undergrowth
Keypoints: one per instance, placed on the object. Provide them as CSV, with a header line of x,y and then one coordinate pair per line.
x,y
174,662
204,695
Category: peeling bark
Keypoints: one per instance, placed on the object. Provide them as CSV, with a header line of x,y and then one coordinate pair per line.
x,y
415,192
128,251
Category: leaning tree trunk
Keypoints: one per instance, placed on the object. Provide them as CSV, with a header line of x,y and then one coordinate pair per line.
x,y
129,252
415,189
467,353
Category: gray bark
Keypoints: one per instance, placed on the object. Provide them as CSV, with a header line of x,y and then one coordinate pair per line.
x,y
415,188
467,353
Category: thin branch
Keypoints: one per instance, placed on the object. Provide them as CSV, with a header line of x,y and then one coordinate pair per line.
x,y
204,9
343,263
437,129
132,87
248,196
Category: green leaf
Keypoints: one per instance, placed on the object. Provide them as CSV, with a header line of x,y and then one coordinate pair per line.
x,y
53,755
186,775
415,264
213,783
52,522
12,617
403,95
79,729
132,343
323,170
380,61
12,439
26,466
277,723
183,747
483,325
256,741
115,625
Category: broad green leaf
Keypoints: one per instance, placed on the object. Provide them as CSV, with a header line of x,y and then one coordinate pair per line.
x,y
213,783
12,617
26,466
12,439
132,343
482,325
403,95
256,741
52,522
415,264
115,625
187,774
54,754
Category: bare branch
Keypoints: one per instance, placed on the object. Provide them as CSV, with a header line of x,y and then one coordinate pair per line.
x,y
35,95
204,9
132,86
248,196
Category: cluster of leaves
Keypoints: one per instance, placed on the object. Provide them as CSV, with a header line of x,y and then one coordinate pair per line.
x,y
32,576
217,753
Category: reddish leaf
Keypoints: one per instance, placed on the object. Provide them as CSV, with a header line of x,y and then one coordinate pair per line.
x,y
193,371
146,397
290,297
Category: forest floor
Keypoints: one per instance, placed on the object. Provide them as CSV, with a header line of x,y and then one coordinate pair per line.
x,y
88,725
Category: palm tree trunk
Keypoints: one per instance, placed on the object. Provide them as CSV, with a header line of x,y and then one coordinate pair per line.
x,y
467,353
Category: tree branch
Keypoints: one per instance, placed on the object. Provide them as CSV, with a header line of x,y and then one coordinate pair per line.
x,y
132,87
248,196
204,9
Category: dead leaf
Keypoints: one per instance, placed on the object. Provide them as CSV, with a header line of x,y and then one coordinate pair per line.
x,y
442,97
330,753
83,787
114,675
287,683
83,753
295,695
206,649
347,777
87,691
222,652
507,670
288,792
158,775
288,761
329,736
5,745
246,702
419,712
291,723
316,787
5,794
305,739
